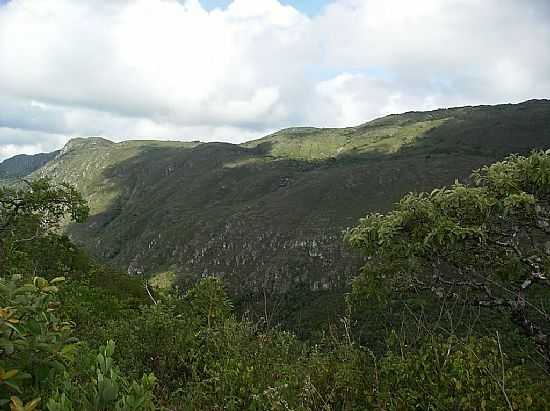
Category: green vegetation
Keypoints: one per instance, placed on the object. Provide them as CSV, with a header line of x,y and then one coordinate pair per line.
x,y
267,215
469,248
23,165
483,245
39,356
312,144
30,222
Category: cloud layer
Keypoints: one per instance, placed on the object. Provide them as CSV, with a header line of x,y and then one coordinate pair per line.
x,y
170,69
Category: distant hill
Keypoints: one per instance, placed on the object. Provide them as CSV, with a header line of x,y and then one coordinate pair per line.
x,y
268,214
23,165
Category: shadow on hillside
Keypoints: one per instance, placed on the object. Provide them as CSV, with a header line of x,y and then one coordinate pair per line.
x,y
207,185
267,223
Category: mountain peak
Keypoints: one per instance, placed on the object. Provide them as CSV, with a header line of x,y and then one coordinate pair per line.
x,y
86,142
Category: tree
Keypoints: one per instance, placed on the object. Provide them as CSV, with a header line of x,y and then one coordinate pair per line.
x,y
31,216
486,243
208,301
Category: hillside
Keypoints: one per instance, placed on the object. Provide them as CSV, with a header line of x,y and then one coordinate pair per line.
x,y
268,214
22,165
419,332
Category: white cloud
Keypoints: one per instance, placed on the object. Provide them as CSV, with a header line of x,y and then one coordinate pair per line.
x,y
451,50
17,141
170,69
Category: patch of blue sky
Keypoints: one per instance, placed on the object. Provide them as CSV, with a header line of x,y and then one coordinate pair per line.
x,y
309,7
215,4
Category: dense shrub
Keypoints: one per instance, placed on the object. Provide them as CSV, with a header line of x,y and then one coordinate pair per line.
x,y
39,356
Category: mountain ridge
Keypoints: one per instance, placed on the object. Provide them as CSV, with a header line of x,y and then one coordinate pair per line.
x,y
267,215
95,140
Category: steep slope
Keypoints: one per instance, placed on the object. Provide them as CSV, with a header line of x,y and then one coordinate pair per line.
x,y
268,214
86,163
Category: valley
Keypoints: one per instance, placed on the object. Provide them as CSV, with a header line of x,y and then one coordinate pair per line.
x,y
268,215
302,259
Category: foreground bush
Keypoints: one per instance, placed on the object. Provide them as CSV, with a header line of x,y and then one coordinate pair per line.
x,y
455,374
39,357
225,363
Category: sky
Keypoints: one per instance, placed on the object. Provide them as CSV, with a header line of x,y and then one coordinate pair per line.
x,y
234,70
309,7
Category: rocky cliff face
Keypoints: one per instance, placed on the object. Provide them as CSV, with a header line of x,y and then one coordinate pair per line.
x,y
269,214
